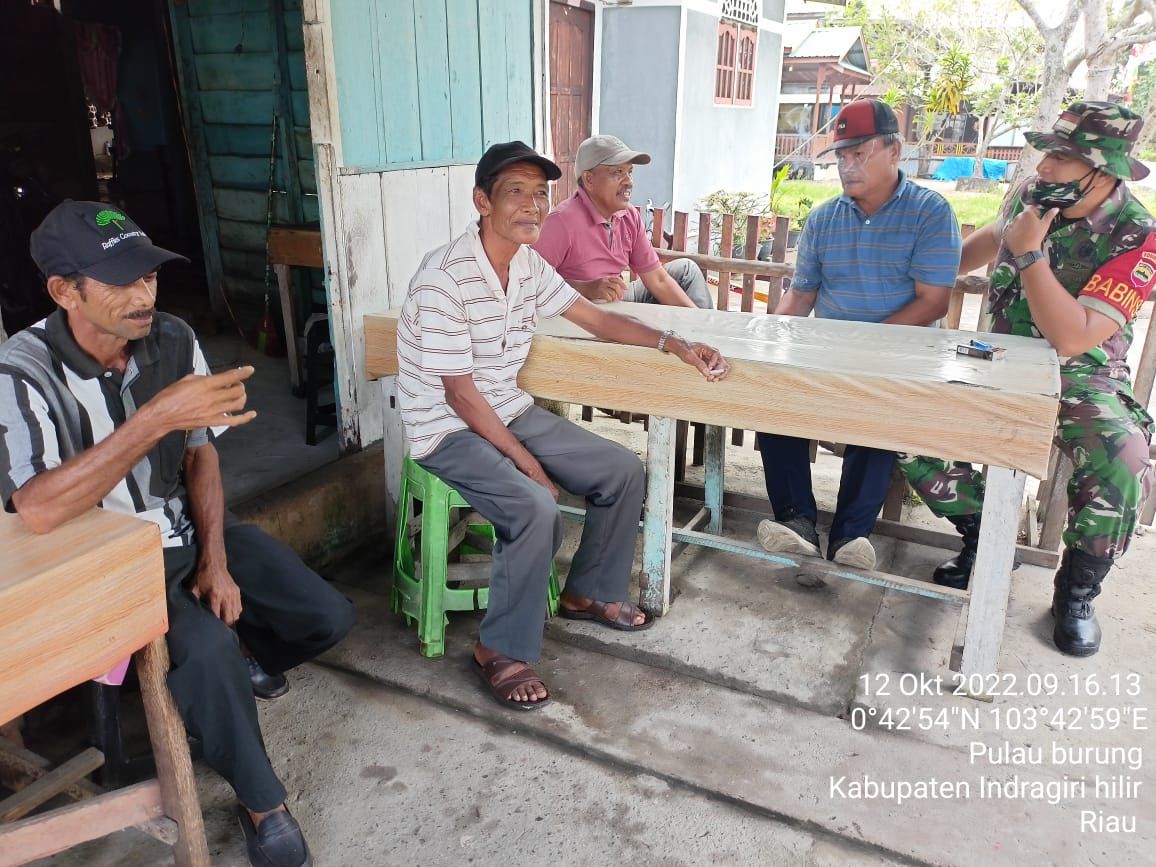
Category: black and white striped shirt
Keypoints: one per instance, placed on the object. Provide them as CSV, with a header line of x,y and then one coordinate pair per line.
x,y
56,402
457,320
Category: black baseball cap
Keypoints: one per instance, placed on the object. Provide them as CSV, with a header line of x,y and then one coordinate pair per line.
x,y
498,156
861,121
97,240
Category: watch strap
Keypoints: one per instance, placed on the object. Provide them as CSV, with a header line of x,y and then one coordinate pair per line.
x,y
1026,259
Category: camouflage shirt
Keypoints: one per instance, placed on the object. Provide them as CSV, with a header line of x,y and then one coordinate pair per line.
x,y
1106,260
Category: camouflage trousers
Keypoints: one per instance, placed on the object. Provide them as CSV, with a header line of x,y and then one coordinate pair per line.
x,y
1105,432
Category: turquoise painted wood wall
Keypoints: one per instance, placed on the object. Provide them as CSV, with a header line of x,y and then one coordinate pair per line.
x,y
431,82
238,71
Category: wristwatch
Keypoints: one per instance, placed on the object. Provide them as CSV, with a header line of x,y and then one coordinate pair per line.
x,y
665,336
1022,262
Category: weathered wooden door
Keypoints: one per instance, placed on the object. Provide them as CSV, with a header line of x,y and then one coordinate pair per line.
x,y
571,85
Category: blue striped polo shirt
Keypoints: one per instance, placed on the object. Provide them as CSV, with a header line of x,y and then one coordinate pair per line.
x,y
865,268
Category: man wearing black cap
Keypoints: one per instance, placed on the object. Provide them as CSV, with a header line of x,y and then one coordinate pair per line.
x,y
1075,256
109,403
464,333
884,251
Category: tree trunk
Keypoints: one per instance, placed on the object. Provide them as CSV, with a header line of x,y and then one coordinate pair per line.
x,y
1055,83
1101,62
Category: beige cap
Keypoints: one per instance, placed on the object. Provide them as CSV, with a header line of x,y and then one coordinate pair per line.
x,y
605,150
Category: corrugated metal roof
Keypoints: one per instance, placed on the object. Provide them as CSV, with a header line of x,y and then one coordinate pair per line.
x,y
827,42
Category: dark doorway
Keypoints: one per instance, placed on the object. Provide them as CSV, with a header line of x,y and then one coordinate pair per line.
x,y
88,110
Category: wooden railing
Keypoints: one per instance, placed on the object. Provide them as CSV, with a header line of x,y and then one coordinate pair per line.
x,y
809,147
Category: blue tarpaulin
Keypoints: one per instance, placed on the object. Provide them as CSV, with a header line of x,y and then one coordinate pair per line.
x,y
954,168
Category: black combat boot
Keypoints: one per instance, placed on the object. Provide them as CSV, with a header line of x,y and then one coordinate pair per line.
x,y
1077,583
956,571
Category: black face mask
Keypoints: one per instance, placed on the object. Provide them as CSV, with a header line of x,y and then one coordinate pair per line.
x,y
1060,195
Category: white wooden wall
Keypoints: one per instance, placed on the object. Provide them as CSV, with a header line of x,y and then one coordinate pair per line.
x,y
377,226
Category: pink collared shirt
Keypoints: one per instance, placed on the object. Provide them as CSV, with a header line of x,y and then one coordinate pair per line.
x,y
582,245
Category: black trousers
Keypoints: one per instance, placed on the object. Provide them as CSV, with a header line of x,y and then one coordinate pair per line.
x,y
289,615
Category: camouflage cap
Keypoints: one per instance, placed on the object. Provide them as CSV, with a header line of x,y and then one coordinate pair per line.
x,y
1099,133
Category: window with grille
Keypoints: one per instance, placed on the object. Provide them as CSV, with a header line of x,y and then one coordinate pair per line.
x,y
734,76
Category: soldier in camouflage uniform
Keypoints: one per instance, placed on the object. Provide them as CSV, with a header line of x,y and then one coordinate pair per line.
x,y
1075,259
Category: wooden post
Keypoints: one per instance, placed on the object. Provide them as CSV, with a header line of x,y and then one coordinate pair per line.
x,y
991,576
656,237
750,251
778,254
657,519
678,239
171,750
955,305
726,248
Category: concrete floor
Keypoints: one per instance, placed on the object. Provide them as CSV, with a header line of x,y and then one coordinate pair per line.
x,y
735,732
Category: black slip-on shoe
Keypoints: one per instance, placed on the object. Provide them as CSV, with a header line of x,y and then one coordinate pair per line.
x,y
266,686
277,843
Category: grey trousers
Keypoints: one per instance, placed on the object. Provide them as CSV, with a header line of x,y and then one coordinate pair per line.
x,y
528,525
687,275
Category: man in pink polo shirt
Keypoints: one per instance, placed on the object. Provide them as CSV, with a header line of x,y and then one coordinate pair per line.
x,y
595,235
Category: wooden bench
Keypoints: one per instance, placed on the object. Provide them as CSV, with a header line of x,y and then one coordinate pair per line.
x,y
74,603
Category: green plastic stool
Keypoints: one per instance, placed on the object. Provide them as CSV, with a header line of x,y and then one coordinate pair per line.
x,y
421,588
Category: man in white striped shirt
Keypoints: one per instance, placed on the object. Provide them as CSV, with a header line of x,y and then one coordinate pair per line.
x,y
465,331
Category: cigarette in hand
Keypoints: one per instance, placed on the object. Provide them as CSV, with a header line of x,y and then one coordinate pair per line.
x,y
718,371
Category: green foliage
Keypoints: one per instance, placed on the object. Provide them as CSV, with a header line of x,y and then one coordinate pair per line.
x,y
802,211
947,56
1143,86
774,201
952,81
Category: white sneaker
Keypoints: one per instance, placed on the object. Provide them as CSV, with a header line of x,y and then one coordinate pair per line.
x,y
779,538
856,553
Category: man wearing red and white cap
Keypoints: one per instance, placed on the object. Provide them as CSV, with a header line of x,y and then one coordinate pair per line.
x,y
885,251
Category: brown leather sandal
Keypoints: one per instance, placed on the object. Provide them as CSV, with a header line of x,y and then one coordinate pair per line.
x,y
503,675
597,611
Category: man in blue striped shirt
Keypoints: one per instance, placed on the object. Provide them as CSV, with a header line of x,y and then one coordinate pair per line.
x,y
885,251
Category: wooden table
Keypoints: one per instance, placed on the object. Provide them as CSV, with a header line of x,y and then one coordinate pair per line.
x,y
293,247
74,603
892,387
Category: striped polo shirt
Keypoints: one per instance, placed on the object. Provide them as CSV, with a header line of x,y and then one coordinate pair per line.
x,y
56,402
864,268
457,320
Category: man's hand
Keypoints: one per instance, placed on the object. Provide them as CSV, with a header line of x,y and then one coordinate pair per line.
x,y
1027,231
215,587
528,465
706,359
203,401
603,290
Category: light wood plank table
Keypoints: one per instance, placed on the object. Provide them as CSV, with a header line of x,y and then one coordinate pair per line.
x,y
892,387
74,603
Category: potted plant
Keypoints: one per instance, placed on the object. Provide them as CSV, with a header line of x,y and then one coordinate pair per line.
x,y
740,204
801,211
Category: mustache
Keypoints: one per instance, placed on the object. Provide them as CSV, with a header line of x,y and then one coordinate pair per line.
x,y
142,314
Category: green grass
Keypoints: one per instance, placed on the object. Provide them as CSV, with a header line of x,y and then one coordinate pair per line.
x,y
977,209
1146,195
